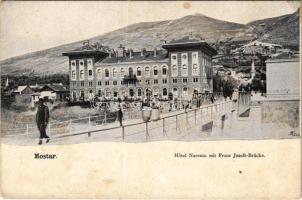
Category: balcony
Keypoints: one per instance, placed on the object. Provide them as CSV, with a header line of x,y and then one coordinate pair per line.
x,y
130,79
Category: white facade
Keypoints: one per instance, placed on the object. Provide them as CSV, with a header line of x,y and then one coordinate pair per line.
x,y
283,78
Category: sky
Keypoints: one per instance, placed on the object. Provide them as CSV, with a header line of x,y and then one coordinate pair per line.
x,y
35,25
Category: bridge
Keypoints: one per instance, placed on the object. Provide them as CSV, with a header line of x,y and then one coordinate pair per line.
x,y
200,123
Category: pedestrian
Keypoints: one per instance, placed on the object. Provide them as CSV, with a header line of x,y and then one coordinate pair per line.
x,y
186,106
212,98
42,117
120,112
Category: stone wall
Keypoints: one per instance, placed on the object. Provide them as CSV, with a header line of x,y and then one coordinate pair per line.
x,y
281,111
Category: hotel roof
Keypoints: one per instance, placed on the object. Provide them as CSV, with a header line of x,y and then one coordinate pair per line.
x,y
88,50
136,57
187,42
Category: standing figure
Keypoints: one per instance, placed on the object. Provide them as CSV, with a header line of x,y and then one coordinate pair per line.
x,y
120,112
42,117
212,98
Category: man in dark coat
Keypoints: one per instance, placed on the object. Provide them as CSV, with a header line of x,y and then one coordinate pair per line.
x,y
120,112
42,117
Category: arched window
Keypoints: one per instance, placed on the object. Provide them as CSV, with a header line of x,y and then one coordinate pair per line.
x,y
164,70
82,74
165,92
130,70
99,93
73,74
139,71
106,73
114,72
82,93
155,71
74,95
175,92
107,93
147,71
131,93
90,72
115,93
148,92
122,72
184,70
99,73
195,69
139,92
174,70
184,92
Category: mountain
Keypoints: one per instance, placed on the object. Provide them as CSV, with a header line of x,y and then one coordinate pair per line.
x,y
282,30
149,35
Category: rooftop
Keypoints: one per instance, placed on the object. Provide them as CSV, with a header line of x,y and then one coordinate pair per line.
x,y
136,57
56,87
189,42
95,49
21,88
284,57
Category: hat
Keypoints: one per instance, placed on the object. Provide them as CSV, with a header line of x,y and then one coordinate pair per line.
x,y
41,100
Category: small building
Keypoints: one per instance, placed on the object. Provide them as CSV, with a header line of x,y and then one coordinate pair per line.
x,y
283,91
283,77
54,92
36,87
35,98
24,89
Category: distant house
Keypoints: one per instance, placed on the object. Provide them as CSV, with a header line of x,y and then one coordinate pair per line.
x,y
35,98
54,92
36,87
24,89
260,47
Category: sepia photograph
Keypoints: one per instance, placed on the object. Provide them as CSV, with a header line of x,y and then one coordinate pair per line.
x,y
97,73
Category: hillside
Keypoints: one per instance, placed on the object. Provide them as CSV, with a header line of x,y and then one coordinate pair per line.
x,y
282,30
149,35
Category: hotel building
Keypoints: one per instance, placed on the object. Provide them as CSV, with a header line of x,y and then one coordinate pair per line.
x,y
179,69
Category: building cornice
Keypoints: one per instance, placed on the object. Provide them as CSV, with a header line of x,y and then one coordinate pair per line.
x,y
133,63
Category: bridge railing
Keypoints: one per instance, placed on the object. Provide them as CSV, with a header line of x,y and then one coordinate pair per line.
x,y
82,123
244,102
175,123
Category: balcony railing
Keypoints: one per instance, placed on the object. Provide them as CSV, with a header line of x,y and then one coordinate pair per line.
x,y
130,79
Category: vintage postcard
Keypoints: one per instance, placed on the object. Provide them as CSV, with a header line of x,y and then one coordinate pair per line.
x,y
150,99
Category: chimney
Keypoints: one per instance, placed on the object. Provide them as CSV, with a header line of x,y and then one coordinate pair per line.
x,y
86,42
126,53
143,51
98,45
155,52
120,51
163,41
131,53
